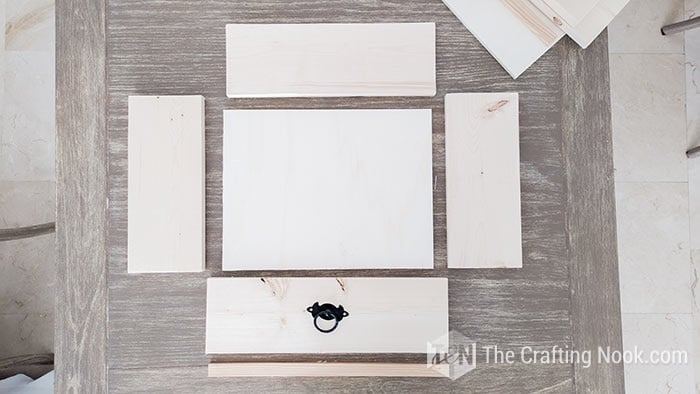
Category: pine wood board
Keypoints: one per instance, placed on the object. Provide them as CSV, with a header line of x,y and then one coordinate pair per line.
x,y
166,184
327,189
482,152
590,27
326,59
513,31
269,315
239,370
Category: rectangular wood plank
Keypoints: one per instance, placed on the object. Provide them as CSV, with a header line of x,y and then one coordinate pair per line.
x,y
327,189
483,180
330,59
166,184
590,27
513,31
269,315
318,369
572,11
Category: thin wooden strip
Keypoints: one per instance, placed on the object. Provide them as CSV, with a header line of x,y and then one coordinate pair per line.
x,y
537,22
506,34
321,60
270,315
166,184
483,180
231,370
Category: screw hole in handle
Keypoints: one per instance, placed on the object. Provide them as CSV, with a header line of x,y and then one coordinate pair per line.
x,y
327,312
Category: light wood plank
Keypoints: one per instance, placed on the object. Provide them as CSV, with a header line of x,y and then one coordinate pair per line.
x,y
483,180
239,370
316,60
269,315
511,30
327,189
166,184
590,27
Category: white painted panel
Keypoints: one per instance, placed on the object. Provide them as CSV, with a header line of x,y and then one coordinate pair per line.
x,y
327,189
269,315
483,180
166,184
340,59
511,30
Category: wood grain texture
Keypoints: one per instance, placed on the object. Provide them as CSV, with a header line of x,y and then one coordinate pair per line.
x,y
166,184
327,189
330,60
240,370
269,315
591,227
81,219
156,323
511,31
482,152
572,11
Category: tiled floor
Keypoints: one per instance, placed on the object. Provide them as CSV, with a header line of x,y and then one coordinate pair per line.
x,y
27,180
655,120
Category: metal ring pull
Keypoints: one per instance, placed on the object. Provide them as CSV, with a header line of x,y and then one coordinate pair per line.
x,y
327,312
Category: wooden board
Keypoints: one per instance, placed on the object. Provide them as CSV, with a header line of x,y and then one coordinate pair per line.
x,y
572,11
482,153
166,184
315,60
240,370
327,189
513,31
269,315
590,27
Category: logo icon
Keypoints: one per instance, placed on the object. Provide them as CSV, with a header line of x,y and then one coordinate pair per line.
x,y
452,355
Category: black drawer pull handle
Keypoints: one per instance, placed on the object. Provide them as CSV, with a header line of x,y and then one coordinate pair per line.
x,y
327,312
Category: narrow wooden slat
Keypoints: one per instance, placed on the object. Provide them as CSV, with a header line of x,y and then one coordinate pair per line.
x,y
269,315
315,60
572,11
230,370
482,151
166,184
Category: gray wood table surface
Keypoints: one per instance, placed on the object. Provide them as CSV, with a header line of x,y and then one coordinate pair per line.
x,y
145,333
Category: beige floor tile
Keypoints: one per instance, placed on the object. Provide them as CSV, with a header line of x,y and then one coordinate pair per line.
x,y
26,333
28,275
659,332
29,25
27,135
648,117
654,257
637,29
27,203
694,201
